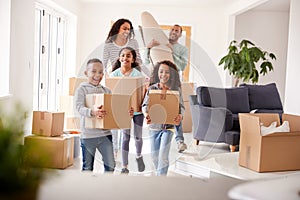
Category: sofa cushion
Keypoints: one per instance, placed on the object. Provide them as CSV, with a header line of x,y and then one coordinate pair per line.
x,y
263,96
234,99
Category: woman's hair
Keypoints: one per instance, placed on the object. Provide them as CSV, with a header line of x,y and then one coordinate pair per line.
x,y
117,64
174,81
115,30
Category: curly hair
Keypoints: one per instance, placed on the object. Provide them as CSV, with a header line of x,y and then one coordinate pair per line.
x,y
174,81
117,64
115,30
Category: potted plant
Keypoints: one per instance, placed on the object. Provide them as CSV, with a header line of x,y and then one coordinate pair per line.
x,y
20,174
241,61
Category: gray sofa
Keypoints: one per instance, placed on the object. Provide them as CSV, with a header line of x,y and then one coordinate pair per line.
x,y
215,110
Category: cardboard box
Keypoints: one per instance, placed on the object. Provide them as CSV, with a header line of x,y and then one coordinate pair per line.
x,y
187,118
163,106
273,152
66,105
133,86
74,82
188,89
72,123
52,152
48,123
116,106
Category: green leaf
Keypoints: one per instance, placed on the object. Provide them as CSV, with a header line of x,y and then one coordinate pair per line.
x,y
272,56
223,60
242,58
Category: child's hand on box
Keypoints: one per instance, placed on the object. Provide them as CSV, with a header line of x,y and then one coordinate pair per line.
x,y
131,111
177,119
100,112
148,119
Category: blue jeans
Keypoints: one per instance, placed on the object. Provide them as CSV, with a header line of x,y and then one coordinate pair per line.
x,y
116,139
179,132
104,146
160,148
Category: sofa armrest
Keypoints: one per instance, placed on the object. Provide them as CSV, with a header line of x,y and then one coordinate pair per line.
x,y
193,99
210,124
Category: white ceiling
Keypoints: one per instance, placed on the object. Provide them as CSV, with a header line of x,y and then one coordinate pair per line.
x,y
275,5
271,5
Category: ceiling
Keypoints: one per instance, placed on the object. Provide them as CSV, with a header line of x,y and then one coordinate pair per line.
x,y
275,5
271,5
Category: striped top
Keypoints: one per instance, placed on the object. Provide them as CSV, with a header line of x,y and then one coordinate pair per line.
x,y
112,50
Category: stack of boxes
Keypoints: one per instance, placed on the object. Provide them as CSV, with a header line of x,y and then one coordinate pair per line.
x,y
188,89
72,119
53,148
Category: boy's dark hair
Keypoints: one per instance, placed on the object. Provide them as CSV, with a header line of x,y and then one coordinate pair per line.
x,y
117,64
115,30
93,60
174,81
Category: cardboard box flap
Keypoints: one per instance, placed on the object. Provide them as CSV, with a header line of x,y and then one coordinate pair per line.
x,y
294,122
267,118
249,123
165,92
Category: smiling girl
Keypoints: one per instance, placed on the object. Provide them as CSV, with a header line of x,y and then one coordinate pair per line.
x,y
164,77
126,66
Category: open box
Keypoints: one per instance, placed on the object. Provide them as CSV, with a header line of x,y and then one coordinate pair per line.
x,y
273,152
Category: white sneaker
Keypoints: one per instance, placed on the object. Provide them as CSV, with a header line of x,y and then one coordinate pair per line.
x,y
181,146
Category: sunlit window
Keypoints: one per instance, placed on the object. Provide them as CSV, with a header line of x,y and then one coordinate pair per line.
x,y
49,58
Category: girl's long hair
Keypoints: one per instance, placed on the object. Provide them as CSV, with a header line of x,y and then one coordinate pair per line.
x,y
114,31
117,64
174,81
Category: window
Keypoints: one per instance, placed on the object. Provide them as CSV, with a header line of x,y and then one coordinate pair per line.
x,y
49,58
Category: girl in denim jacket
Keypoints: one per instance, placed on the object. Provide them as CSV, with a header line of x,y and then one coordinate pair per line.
x,y
164,77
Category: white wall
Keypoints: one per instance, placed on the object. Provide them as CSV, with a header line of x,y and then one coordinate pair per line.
x,y
292,94
268,30
21,51
209,28
4,45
